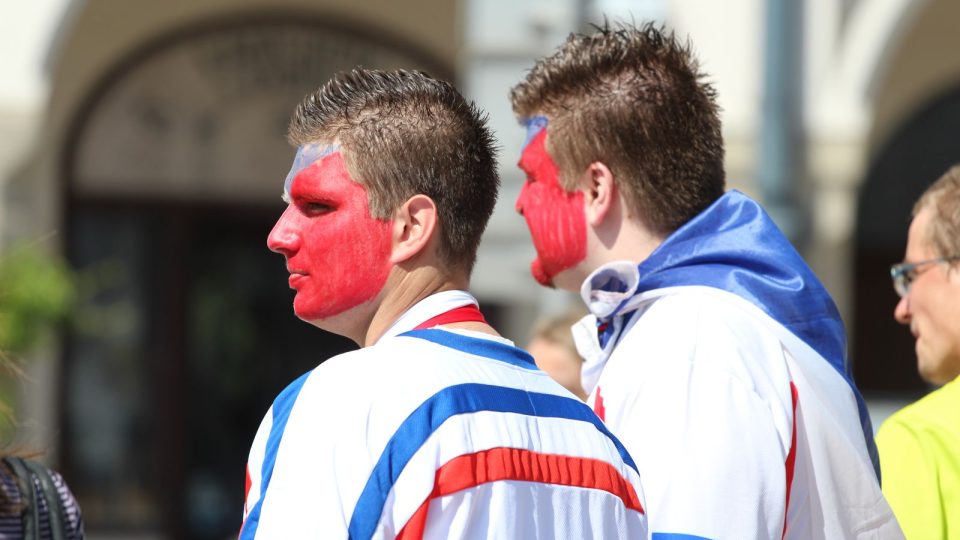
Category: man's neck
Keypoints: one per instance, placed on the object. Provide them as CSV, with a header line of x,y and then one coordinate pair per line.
x,y
627,240
403,291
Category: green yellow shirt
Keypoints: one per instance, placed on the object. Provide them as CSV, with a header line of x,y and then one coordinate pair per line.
x,y
920,464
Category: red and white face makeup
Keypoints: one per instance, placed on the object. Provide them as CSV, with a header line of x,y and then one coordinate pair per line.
x,y
554,216
337,253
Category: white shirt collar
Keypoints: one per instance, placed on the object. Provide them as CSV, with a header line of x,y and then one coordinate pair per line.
x,y
597,292
428,308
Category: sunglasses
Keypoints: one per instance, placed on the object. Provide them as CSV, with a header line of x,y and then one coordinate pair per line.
x,y
903,274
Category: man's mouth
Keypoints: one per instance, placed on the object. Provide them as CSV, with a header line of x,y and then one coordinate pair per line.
x,y
296,278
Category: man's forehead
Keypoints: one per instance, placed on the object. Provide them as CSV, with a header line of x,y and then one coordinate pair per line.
x,y
307,155
919,239
534,125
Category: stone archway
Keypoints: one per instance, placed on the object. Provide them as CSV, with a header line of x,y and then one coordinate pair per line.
x,y
201,114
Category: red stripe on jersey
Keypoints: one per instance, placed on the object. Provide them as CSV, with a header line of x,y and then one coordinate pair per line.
x,y
497,464
246,501
791,457
598,407
467,313
246,491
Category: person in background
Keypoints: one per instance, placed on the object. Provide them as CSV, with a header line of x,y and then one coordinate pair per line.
x,y
554,351
436,427
920,444
712,350
35,502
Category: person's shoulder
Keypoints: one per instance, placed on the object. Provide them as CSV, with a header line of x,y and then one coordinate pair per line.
x,y
704,329
708,303
943,402
45,480
939,411
359,365
379,373
699,314
435,348
326,380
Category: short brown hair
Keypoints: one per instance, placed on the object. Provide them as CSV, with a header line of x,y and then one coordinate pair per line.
x,y
635,100
405,133
943,197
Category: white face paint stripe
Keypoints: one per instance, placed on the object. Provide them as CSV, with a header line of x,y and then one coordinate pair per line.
x,y
307,155
534,125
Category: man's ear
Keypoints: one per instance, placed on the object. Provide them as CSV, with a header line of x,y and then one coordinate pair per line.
x,y
599,192
414,224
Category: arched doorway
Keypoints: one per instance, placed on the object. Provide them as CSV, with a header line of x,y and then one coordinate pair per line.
x,y
917,153
172,176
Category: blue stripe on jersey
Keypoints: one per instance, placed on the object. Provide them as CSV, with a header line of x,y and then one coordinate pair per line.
x,y
281,413
451,401
676,536
476,346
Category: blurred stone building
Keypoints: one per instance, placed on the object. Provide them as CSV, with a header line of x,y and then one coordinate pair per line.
x,y
155,155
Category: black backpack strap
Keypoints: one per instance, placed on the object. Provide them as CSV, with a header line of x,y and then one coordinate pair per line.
x,y
54,503
28,493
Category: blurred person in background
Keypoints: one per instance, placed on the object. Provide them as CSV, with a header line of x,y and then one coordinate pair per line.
x,y
35,502
36,292
554,351
712,350
437,426
920,444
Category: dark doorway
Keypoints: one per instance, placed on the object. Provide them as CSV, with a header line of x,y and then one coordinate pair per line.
x,y
913,158
184,337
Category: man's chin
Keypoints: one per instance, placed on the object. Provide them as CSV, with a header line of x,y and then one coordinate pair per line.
x,y
311,314
540,275
568,279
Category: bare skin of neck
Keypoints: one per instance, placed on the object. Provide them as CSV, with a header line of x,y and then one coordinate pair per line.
x,y
407,287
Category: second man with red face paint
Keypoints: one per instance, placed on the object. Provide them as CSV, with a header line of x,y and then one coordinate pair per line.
x,y
437,427
712,350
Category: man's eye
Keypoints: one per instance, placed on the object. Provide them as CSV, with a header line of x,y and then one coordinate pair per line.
x,y
316,208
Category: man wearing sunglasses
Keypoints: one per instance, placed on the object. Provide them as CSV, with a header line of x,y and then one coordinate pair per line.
x,y
920,445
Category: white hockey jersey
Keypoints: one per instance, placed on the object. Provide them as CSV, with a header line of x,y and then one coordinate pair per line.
x,y
437,434
720,363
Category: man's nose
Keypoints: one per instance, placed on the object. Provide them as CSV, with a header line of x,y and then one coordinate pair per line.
x,y
285,237
518,206
902,312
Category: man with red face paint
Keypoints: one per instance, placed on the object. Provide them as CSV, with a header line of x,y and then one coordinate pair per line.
x,y
711,348
437,427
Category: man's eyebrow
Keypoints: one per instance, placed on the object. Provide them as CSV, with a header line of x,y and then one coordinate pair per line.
x,y
307,154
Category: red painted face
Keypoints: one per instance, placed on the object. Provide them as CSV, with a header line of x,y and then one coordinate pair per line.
x,y
554,216
337,253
